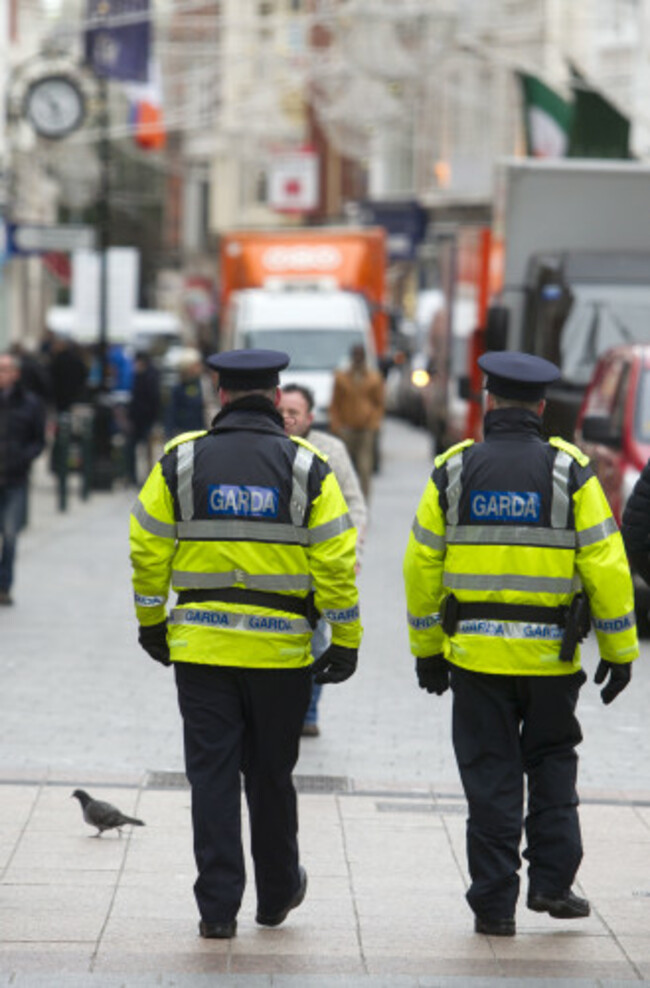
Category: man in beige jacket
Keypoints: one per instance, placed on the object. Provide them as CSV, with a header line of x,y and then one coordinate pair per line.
x,y
356,412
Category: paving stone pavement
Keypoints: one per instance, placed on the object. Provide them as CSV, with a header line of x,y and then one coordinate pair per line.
x,y
382,815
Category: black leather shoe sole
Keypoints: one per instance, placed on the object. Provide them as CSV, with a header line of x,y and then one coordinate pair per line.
x,y
218,931
494,927
560,907
274,919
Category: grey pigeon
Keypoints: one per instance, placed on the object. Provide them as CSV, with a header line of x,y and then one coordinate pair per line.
x,y
102,815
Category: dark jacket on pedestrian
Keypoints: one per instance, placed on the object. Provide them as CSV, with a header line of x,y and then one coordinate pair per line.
x,y
68,376
144,406
635,527
22,434
186,410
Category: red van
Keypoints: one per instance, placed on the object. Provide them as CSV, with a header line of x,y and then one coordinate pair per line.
x,y
613,429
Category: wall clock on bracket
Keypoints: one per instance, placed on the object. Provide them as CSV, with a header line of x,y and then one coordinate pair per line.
x,y
55,106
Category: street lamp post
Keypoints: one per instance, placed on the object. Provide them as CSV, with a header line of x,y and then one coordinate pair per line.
x,y
102,472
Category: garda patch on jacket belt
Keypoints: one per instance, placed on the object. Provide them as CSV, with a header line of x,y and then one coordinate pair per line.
x,y
505,506
243,501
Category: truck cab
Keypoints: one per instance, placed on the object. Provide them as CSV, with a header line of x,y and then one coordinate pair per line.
x,y
575,244
579,304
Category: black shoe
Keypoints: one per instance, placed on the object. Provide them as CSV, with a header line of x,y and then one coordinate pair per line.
x,y
494,927
276,918
564,905
218,931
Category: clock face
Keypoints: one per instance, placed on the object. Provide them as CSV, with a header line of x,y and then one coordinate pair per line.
x,y
55,106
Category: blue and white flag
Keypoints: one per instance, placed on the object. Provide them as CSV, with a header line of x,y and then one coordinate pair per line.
x,y
118,38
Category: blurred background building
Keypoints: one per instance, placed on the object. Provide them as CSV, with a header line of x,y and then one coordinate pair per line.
x,y
284,113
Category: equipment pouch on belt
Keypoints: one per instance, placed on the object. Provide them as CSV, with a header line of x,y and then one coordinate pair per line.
x,y
577,627
449,615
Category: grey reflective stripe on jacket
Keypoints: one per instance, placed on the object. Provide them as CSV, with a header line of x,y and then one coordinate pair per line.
x,y
161,529
184,478
510,581
299,489
561,501
544,538
454,488
278,582
242,530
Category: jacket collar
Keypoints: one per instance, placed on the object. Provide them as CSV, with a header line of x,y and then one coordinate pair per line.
x,y
503,423
252,412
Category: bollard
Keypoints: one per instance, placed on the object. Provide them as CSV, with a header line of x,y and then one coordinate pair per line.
x,y
62,457
86,465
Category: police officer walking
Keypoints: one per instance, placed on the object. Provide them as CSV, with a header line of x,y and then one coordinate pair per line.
x,y
251,530
512,543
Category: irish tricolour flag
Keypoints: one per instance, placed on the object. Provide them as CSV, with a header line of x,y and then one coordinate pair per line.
x,y
547,119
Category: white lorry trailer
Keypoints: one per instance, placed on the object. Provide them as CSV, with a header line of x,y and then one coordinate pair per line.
x,y
575,237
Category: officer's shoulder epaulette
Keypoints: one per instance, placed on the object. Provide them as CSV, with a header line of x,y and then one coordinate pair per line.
x,y
312,449
184,437
569,448
448,453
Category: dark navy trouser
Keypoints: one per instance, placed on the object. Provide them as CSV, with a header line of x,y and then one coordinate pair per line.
x,y
508,729
13,513
244,721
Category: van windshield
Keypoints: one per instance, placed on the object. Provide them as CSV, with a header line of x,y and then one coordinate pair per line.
x,y
310,350
601,316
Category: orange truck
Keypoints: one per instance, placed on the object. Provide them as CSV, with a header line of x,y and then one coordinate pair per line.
x,y
344,259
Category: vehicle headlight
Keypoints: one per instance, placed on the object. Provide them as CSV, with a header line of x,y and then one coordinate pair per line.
x,y
420,378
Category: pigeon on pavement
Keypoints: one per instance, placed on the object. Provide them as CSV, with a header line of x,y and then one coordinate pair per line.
x,y
102,815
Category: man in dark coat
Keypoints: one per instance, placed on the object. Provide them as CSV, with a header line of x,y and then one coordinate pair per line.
x,y
22,439
68,374
144,408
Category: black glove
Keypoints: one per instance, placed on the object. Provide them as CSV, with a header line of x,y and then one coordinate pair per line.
x,y
433,673
335,665
619,677
153,639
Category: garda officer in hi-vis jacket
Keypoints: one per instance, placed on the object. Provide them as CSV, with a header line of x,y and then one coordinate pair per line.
x,y
512,546
249,528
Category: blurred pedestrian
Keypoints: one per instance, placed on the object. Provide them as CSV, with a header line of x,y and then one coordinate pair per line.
x,y
512,545
635,527
296,408
356,413
186,406
22,439
142,412
68,373
251,529
34,375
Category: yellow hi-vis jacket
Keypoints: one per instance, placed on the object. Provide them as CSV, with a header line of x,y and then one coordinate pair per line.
x,y
248,508
523,523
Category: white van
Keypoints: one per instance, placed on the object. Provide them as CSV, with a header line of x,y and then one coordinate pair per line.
x,y
316,327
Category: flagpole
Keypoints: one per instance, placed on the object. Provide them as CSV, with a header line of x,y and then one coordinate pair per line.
x,y
103,419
